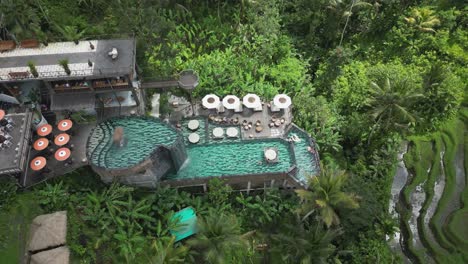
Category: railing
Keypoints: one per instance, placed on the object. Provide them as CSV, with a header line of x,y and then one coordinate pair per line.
x,y
104,72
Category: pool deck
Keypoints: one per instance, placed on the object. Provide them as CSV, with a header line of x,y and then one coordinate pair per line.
x,y
58,168
184,111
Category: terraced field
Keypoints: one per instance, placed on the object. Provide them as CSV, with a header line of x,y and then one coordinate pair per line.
x,y
433,204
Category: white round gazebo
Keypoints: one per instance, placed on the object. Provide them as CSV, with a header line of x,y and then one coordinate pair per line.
x,y
282,101
211,101
232,102
252,101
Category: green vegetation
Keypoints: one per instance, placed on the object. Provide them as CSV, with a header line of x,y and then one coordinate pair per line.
x,y
363,75
424,162
64,64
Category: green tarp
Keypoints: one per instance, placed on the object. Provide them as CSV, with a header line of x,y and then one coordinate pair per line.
x,y
187,224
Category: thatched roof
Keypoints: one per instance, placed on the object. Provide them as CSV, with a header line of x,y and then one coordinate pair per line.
x,y
58,255
48,230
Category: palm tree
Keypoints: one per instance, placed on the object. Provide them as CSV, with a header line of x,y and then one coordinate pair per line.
x,y
296,244
167,253
326,196
423,19
345,9
130,242
18,19
218,237
391,103
71,33
64,64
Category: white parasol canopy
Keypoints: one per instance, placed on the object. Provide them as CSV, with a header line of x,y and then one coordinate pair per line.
x,y
231,102
282,101
193,138
211,101
218,132
252,101
232,132
270,154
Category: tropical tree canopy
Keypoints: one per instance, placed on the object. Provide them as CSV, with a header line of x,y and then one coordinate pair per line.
x,y
297,244
326,196
218,236
391,103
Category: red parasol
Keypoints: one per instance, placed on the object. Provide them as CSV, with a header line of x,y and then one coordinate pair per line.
x,y
44,130
38,163
62,154
62,139
65,125
41,144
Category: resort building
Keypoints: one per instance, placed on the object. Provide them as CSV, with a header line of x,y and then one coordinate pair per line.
x,y
15,135
249,143
67,76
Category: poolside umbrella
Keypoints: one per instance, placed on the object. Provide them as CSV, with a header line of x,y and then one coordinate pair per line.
x,y
193,124
2,114
252,101
44,130
41,144
210,101
282,101
231,102
62,154
38,163
65,125
62,139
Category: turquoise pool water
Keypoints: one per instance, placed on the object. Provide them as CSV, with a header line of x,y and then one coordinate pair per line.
x,y
233,158
209,158
306,162
142,136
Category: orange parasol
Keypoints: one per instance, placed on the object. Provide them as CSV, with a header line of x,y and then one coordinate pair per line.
x,y
41,144
44,130
62,139
62,154
38,163
65,125
2,114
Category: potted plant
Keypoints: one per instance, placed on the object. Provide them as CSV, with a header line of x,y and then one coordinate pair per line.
x,y
64,64
42,37
32,68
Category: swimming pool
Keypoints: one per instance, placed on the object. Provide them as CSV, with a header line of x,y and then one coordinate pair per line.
x,y
234,158
209,158
306,162
142,136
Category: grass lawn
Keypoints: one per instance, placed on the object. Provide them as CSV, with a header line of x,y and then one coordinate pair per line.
x,y
14,226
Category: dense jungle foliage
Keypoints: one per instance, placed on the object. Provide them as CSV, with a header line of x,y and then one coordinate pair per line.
x,y
363,75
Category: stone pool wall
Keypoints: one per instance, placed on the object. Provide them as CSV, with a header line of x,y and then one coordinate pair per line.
x,y
145,174
242,182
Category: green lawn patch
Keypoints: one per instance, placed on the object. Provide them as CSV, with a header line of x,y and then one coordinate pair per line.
x,y
15,224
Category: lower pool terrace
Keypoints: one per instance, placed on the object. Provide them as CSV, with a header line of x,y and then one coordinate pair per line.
x,y
238,156
234,159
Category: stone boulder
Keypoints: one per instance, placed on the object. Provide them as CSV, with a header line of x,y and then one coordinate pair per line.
x,y
60,255
48,231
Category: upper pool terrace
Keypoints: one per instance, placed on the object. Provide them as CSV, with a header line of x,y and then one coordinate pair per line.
x,y
217,142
